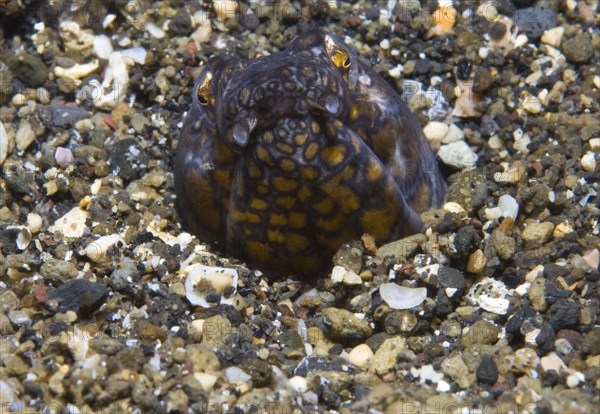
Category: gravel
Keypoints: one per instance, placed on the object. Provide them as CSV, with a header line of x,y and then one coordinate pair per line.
x,y
499,297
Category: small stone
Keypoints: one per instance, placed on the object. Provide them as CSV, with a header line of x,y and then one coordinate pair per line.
x,y
203,359
537,294
260,372
150,332
102,46
34,222
476,262
553,362
299,384
63,156
535,20
123,277
487,371
591,343
565,313
436,131
386,355
79,295
563,346
454,134
466,240
553,37
592,258
361,356
181,24
24,136
505,246
562,230
54,270
536,234
342,324
129,159
402,249
481,332
578,49
458,154
588,162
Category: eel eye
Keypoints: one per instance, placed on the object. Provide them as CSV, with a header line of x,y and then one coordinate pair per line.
x,y
204,90
337,53
202,100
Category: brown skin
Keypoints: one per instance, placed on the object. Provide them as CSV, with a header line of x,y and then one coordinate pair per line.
x,y
283,158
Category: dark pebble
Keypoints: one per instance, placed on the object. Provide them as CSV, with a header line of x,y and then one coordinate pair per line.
x,y
453,279
591,343
129,159
260,371
467,240
67,115
315,364
550,378
535,21
487,371
181,25
29,69
79,295
513,326
578,49
123,277
565,314
545,339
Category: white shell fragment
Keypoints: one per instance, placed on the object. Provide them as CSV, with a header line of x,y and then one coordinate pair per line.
x,y
22,236
71,224
490,295
202,280
400,297
97,249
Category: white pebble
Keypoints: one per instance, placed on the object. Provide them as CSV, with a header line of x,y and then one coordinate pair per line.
x,y
102,46
588,161
436,131
553,36
298,384
454,134
458,154
235,375
508,206
384,44
361,356
154,30
206,380
25,136
137,54
63,156
34,222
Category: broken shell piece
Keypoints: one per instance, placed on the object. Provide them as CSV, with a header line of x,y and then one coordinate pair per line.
x,y
20,234
202,280
97,249
400,297
71,224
